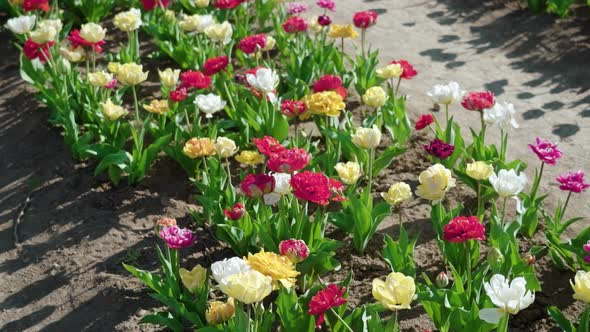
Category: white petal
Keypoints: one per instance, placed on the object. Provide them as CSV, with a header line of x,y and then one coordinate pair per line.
x,y
490,315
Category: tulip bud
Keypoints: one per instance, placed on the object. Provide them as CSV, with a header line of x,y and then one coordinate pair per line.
x,y
296,250
236,212
528,258
442,280
495,257
220,312
164,222
202,3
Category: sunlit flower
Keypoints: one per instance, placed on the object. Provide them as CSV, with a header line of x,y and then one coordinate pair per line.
x,y
215,65
296,8
264,80
194,279
364,19
268,145
327,103
501,114
21,25
199,147
92,32
479,170
408,70
278,267
176,237
439,149
236,212
194,79
293,108
390,71
210,104
72,54
223,269
131,74
100,78
225,147
326,4
296,250
270,44
508,297
546,151
257,185
398,193
169,77
342,31
288,160
446,94
251,158
129,20
157,106
112,111
461,229
367,138
202,3
330,83
424,121
375,97
573,181
435,182
247,287
251,44
581,286
314,187
478,101
221,33
330,297
219,312
150,5
295,24
349,173
396,292
508,183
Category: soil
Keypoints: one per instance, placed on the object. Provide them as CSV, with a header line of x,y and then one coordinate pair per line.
x,y
64,233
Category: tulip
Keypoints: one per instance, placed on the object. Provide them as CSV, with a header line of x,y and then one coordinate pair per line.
x,y
296,250
390,71
209,104
398,193
435,182
72,54
264,80
501,114
92,32
581,286
446,95
479,170
367,138
396,292
328,103
442,280
21,25
219,312
349,173
199,147
342,31
130,74
176,237
236,212
169,77
222,270
220,33
128,21
194,279
112,111
250,158
375,97
202,3
225,147
247,287
157,107
509,298
189,22
508,183
100,78
279,268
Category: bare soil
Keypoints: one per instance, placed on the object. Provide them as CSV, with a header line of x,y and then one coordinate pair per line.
x,y
64,233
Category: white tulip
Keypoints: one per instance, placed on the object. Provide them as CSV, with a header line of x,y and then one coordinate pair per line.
x,y
367,138
509,298
221,270
204,22
265,80
501,114
225,147
282,187
219,32
209,104
508,183
22,24
446,94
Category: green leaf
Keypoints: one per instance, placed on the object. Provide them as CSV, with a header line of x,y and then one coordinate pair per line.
x,y
560,319
164,319
386,157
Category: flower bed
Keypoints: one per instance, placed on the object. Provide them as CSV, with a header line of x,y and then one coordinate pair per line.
x,y
259,123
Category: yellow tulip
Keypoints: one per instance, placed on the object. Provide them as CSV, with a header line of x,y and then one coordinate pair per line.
x,y
190,22
582,286
169,77
342,31
99,78
479,170
247,287
367,138
349,173
202,3
393,70
220,312
72,54
92,32
199,147
279,268
225,147
114,67
112,111
399,192
327,103
221,33
375,97
128,21
396,292
157,106
194,279
435,182
130,73
251,158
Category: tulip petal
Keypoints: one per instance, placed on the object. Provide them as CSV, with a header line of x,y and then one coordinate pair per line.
x,y
491,315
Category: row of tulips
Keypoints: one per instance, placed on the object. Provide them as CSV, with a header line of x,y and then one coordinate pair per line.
x,y
274,103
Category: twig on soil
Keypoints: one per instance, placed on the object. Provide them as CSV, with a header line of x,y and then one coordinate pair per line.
x,y
20,216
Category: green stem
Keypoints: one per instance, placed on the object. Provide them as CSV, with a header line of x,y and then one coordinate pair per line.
x,y
536,184
479,212
370,171
482,134
503,325
567,200
228,172
400,213
341,320
363,41
468,268
447,112
399,81
503,211
135,104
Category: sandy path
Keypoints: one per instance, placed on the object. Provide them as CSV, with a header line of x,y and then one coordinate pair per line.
x,y
531,61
